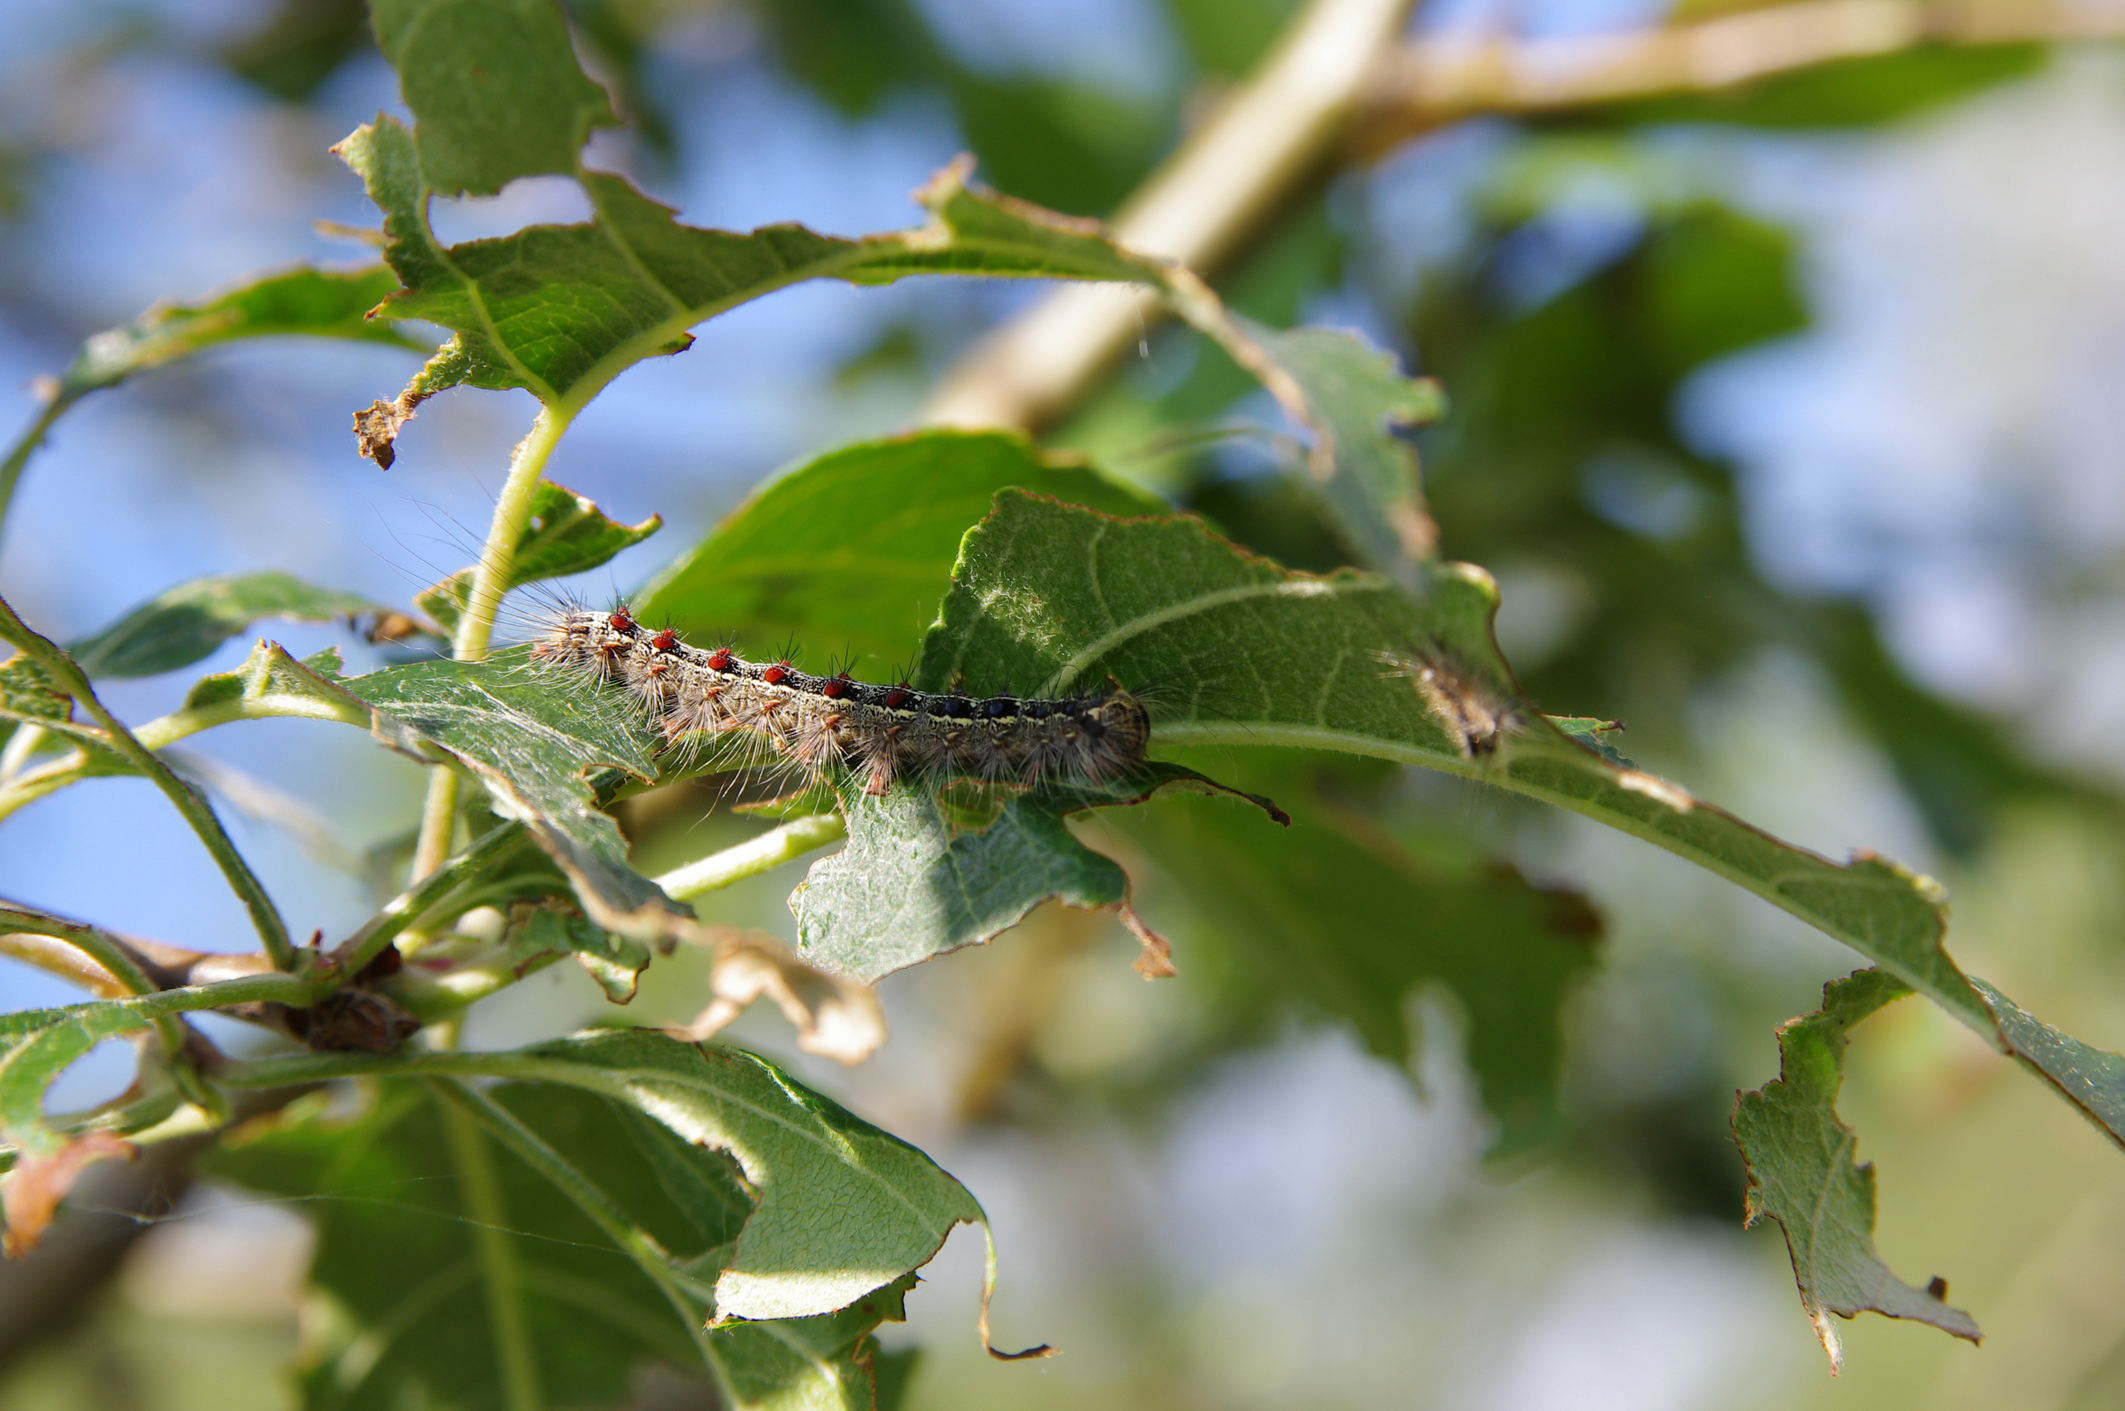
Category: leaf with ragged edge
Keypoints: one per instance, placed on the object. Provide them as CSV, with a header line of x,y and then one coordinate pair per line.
x,y
1256,654
1336,918
913,882
566,533
614,961
535,742
852,551
37,1045
316,302
1361,472
1802,1175
561,310
186,623
840,1207
495,85
408,1319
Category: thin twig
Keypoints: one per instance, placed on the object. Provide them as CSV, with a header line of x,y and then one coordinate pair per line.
x,y
189,801
490,583
1432,82
753,856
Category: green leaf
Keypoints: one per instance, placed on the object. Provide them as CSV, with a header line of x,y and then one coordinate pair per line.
x,y
318,302
271,683
1802,1175
1361,472
186,623
916,880
566,533
614,961
561,310
36,1046
409,1310
1257,655
840,1207
852,551
494,86
1337,919
535,741
2092,1079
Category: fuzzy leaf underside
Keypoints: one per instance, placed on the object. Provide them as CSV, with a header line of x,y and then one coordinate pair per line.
x,y
535,742
1801,1171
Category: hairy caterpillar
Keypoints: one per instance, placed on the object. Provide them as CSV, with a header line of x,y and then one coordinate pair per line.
x,y
1473,713
824,724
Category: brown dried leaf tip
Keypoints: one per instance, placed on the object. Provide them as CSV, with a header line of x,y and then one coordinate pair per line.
x,y
1156,962
376,426
31,1192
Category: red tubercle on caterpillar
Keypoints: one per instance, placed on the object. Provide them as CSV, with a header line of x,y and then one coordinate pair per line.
x,y
835,687
665,641
721,659
621,619
776,673
898,696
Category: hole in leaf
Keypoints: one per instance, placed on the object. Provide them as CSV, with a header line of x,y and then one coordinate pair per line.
x,y
95,1078
527,201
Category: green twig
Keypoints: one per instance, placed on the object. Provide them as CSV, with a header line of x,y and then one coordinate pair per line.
x,y
403,910
753,856
490,583
490,1235
191,803
18,455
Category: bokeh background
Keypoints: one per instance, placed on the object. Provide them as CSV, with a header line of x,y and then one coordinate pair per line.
x,y
1787,419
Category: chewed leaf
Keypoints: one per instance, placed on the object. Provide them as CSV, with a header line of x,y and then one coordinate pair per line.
x,y
614,961
186,623
566,533
535,743
804,1251
1248,653
1363,473
496,86
316,302
914,882
400,1261
1802,1175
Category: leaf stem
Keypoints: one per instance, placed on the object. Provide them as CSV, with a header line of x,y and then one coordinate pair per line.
x,y
18,455
490,583
189,802
753,856
505,1292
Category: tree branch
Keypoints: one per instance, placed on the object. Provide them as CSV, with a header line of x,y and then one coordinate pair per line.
x,y
1432,82
1202,202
